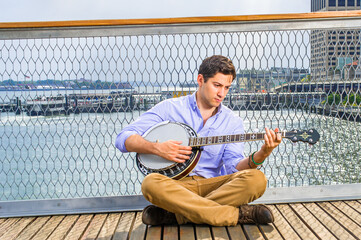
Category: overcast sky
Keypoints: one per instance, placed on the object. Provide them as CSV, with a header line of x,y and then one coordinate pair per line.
x,y
57,10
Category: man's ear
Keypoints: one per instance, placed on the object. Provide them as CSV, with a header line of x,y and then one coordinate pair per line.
x,y
200,80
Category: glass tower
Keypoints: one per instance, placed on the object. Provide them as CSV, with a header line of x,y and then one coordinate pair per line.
x,y
334,52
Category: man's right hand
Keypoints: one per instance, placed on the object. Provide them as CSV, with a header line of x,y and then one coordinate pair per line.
x,y
173,151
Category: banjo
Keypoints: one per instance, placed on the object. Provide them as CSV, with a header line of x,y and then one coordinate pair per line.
x,y
148,163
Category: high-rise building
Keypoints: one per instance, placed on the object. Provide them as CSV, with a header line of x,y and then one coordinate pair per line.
x,y
334,52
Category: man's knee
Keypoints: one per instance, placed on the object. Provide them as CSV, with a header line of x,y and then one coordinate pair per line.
x,y
150,184
257,182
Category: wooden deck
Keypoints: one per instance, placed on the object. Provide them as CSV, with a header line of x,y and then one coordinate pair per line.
x,y
323,220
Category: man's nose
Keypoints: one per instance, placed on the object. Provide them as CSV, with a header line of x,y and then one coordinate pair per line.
x,y
222,92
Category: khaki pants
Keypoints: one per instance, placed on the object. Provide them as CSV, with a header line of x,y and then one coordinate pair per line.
x,y
212,201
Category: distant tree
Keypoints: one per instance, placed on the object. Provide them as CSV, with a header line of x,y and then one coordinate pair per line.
x,y
353,99
334,99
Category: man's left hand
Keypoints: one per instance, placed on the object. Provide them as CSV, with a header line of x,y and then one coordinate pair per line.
x,y
271,140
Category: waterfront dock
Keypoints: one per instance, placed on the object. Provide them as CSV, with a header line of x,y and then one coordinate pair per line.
x,y
128,101
341,112
312,220
63,178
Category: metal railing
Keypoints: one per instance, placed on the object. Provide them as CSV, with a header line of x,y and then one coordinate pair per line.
x,y
68,88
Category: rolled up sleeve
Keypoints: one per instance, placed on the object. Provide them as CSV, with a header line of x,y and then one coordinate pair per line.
x,y
140,126
120,140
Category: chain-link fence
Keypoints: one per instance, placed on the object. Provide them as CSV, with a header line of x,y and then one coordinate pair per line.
x,y
64,100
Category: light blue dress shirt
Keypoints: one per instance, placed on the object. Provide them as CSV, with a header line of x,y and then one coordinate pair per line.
x,y
215,160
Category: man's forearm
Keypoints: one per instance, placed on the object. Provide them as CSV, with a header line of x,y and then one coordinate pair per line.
x,y
136,143
247,162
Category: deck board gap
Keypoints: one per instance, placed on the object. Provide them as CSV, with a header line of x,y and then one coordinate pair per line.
x,y
40,227
132,226
289,223
7,224
117,224
56,227
228,234
336,219
353,206
304,221
343,211
100,229
25,227
71,227
84,231
285,218
321,222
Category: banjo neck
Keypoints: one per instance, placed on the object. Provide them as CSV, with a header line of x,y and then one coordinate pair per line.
x,y
246,137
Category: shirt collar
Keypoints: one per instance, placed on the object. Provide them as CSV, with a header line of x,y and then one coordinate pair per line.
x,y
193,103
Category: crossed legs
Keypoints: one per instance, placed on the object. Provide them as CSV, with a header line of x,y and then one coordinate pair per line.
x,y
212,201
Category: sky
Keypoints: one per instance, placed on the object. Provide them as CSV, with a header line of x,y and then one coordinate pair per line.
x,y
60,10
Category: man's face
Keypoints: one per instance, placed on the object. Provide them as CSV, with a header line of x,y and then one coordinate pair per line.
x,y
213,91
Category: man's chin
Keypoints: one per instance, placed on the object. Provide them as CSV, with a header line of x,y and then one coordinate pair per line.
x,y
217,104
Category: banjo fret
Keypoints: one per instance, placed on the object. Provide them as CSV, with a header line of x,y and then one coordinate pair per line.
x,y
203,141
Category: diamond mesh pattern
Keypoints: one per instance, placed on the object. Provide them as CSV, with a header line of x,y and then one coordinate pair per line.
x,y
63,101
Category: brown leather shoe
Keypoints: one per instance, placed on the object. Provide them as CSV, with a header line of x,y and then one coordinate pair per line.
x,y
153,215
255,214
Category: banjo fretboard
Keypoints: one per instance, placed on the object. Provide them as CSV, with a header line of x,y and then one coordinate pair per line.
x,y
203,141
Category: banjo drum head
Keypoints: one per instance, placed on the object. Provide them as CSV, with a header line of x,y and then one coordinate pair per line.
x,y
163,133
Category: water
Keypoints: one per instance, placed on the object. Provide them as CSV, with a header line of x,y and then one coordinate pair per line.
x,y
74,156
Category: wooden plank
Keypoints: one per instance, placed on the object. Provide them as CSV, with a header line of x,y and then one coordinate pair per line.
x,y
94,226
203,232
236,232
124,226
270,231
170,232
17,228
7,225
328,221
79,227
48,228
296,223
33,228
341,219
348,210
138,230
154,233
64,227
355,205
186,232
252,231
148,21
219,233
2,220
109,226
312,222
282,225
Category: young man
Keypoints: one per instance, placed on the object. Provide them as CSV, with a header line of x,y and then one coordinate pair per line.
x,y
218,189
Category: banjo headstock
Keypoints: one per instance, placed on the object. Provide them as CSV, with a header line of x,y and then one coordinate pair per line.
x,y
310,136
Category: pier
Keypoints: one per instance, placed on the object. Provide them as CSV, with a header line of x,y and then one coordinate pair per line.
x,y
63,178
307,220
128,101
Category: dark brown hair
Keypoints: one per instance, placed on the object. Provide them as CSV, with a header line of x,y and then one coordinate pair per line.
x,y
216,64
